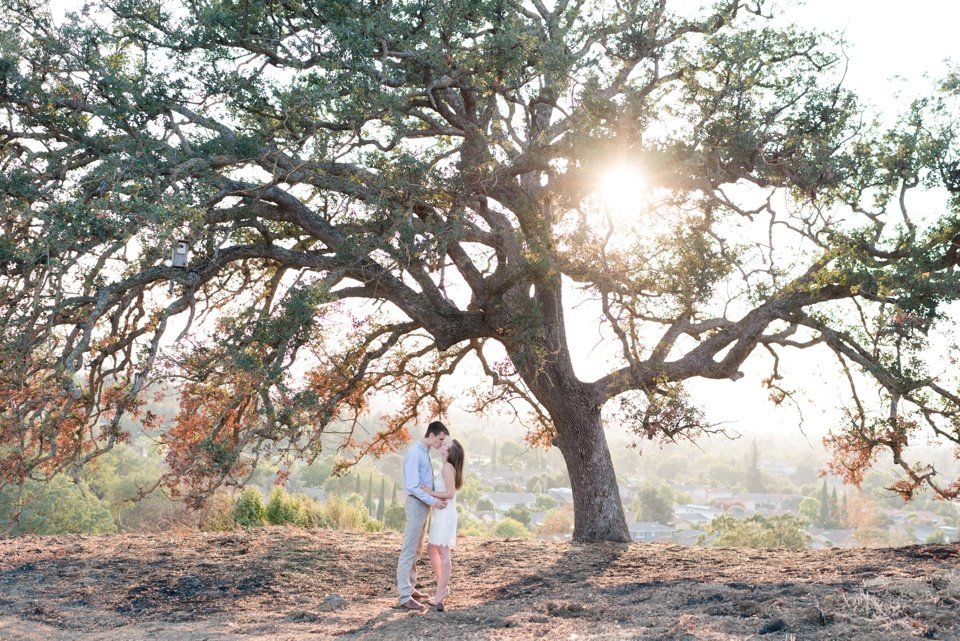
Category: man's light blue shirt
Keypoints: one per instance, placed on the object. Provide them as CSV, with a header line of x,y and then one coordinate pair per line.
x,y
417,471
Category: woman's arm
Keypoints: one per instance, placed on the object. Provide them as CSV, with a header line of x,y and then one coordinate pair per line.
x,y
426,488
448,482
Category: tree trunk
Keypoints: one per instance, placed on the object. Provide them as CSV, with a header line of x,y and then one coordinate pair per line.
x,y
597,509
546,368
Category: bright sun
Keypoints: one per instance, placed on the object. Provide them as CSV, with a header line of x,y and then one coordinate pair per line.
x,y
621,190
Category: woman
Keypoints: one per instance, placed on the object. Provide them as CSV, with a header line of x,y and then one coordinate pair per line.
x,y
443,523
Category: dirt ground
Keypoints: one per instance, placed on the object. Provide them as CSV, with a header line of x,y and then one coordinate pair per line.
x,y
286,583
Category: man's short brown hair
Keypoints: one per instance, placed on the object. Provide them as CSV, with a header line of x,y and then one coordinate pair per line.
x,y
435,428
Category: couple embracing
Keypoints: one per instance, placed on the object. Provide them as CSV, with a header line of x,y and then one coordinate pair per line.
x,y
433,500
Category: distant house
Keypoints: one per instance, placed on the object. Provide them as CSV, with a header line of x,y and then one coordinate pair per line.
x,y
686,537
832,538
922,532
695,513
764,503
700,493
561,494
691,521
733,506
649,531
536,518
503,501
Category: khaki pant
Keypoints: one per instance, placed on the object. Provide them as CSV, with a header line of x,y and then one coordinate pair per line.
x,y
413,534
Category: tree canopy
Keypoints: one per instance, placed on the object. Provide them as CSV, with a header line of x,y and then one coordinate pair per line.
x,y
379,194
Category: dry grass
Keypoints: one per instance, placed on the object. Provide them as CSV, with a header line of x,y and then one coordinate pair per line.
x,y
277,583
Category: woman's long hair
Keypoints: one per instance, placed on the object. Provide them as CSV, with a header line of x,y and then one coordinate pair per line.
x,y
455,456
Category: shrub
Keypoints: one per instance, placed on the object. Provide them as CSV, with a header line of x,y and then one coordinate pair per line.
x,y
58,507
248,510
545,502
395,518
350,514
285,509
519,513
783,531
218,517
511,529
557,523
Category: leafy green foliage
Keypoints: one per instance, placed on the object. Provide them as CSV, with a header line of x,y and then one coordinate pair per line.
x,y
348,514
248,510
782,531
395,518
284,509
519,514
511,528
58,507
654,504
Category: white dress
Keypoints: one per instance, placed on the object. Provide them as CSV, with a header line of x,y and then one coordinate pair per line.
x,y
443,523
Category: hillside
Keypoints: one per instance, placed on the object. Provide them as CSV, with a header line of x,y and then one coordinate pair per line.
x,y
285,584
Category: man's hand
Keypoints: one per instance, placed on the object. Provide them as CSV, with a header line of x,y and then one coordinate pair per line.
x,y
440,504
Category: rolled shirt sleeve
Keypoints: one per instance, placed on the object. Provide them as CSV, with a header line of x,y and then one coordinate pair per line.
x,y
418,471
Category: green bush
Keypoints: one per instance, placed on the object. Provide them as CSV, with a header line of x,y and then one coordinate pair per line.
x,y
511,529
520,514
285,509
546,502
783,531
218,516
58,507
248,510
395,518
350,514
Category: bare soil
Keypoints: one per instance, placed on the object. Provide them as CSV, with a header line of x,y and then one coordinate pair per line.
x,y
286,583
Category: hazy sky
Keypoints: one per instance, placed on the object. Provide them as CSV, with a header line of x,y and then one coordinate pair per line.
x,y
888,39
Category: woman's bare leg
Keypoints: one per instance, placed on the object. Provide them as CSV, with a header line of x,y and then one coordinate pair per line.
x,y
435,561
443,583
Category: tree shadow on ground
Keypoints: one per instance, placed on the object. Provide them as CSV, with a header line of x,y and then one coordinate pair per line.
x,y
575,566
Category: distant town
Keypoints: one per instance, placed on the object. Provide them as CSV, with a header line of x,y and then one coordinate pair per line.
x,y
727,493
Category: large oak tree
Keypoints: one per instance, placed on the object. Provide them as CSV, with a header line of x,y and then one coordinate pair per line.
x,y
378,193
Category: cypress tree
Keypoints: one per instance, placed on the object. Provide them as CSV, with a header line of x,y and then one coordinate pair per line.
x,y
754,482
370,494
834,509
381,504
824,505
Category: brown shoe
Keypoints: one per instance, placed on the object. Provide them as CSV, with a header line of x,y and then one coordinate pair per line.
x,y
417,594
413,605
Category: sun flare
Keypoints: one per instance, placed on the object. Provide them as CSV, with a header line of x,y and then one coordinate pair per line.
x,y
621,188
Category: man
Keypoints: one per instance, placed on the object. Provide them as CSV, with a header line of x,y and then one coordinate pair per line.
x,y
417,472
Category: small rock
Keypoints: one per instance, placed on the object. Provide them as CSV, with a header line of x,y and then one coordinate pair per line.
x,y
773,626
332,602
538,619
